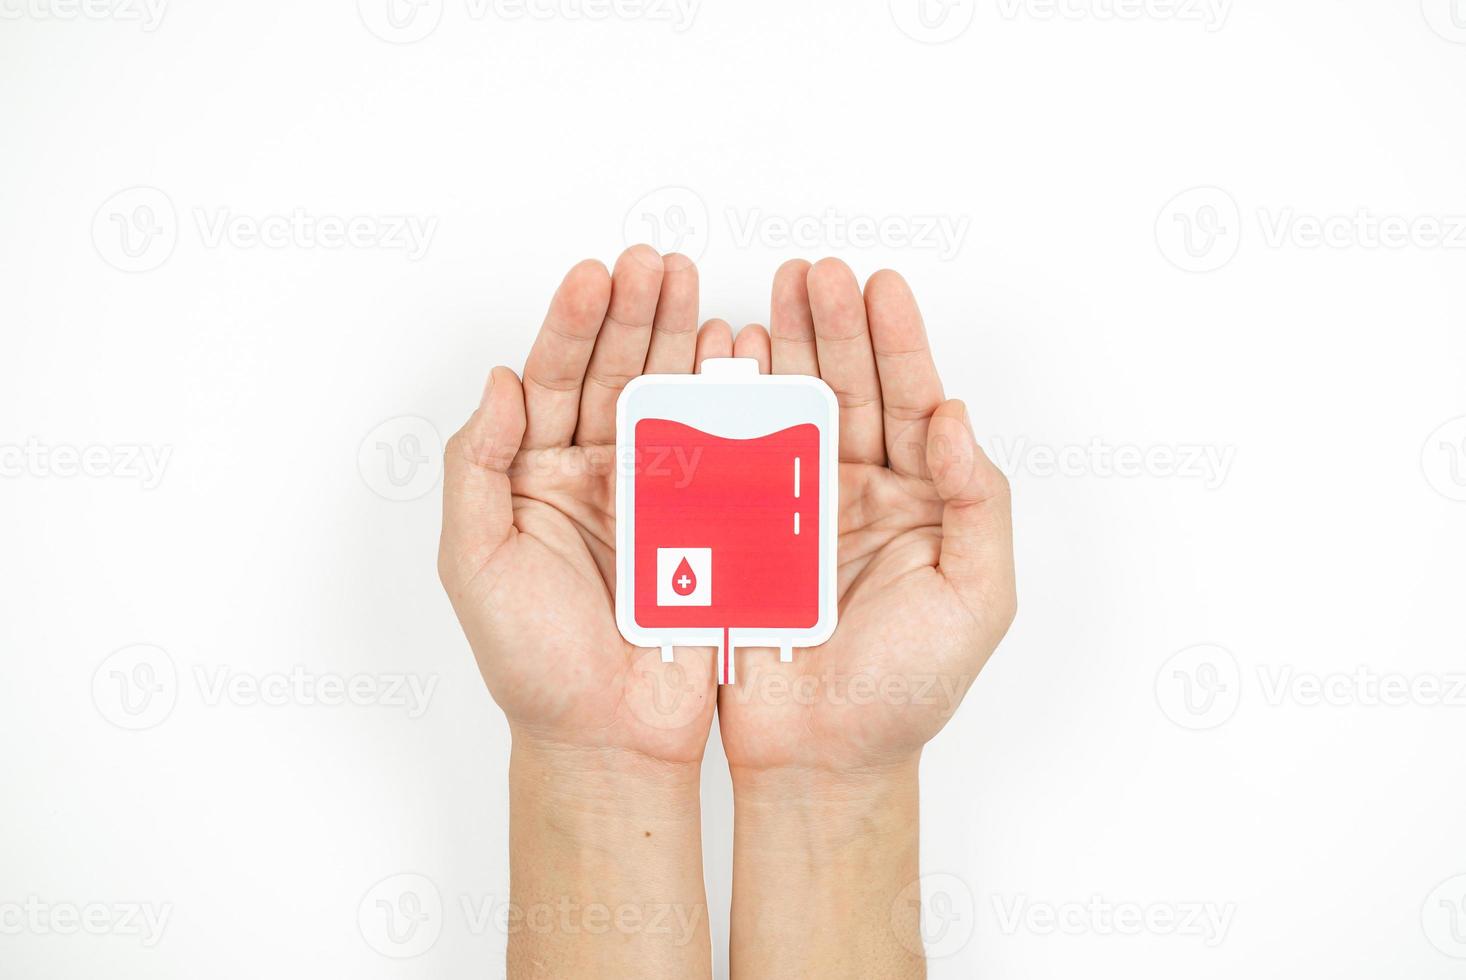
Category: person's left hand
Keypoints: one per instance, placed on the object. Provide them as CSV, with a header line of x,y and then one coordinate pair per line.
x,y
926,586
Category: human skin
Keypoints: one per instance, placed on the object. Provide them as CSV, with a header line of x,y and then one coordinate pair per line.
x,y
824,751
603,778
604,805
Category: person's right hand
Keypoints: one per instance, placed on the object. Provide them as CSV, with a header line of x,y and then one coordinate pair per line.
x,y
603,778
529,527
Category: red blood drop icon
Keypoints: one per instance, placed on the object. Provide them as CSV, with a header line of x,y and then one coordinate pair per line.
x,y
683,580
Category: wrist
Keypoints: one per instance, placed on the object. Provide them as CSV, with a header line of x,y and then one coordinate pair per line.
x,y
605,864
604,792
821,859
817,806
548,757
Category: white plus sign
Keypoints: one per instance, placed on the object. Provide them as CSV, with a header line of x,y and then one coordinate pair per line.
x,y
684,582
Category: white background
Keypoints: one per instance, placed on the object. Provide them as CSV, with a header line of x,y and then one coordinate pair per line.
x,y
1326,550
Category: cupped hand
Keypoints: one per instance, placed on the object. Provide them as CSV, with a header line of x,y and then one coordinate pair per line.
x,y
528,546
926,584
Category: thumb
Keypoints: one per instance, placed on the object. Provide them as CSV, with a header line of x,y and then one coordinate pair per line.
x,y
977,516
477,510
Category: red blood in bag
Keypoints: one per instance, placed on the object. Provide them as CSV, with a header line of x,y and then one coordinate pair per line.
x,y
753,503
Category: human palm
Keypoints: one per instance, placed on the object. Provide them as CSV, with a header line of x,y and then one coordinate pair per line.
x,y
925,587
528,550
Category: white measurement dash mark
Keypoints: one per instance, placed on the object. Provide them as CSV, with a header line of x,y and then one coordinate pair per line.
x,y
796,493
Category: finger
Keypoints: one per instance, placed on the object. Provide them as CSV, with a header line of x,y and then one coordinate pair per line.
x,y
910,387
842,342
753,341
621,346
977,518
791,326
556,365
715,339
478,516
674,332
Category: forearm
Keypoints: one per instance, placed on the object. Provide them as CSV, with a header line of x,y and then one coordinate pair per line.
x,y
605,866
818,862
